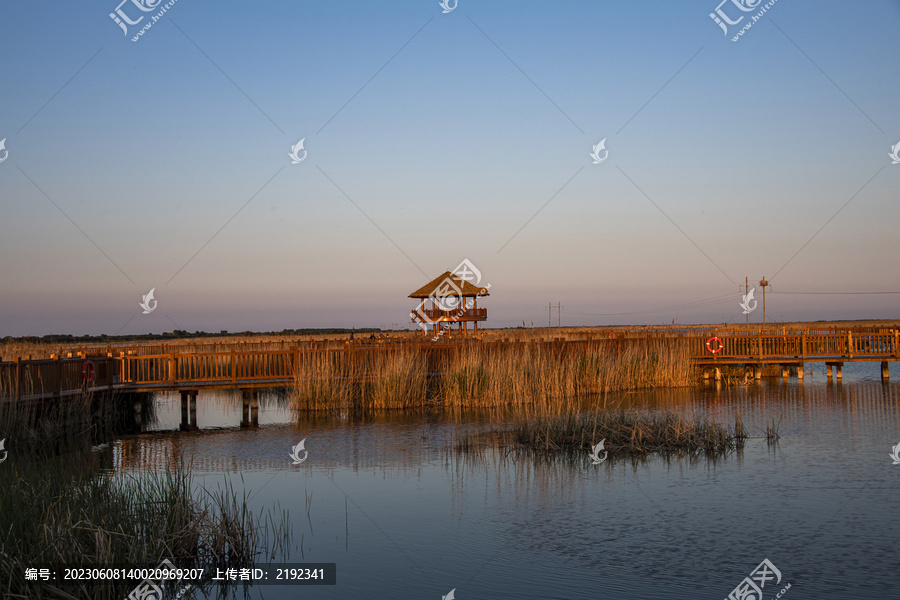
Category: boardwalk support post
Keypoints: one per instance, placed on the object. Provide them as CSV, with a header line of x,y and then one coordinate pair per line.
x,y
185,423
784,372
192,404
254,408
885,371
137,413
18,379
800,373
58,375
245,408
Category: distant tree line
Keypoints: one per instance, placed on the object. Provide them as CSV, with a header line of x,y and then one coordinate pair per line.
x,y
173,335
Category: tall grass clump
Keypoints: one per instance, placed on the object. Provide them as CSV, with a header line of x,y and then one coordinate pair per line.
x,y
486,375
528,373
627,432
543,374
333,381
322,382
57,505
64,510
64,425
397,379
637,365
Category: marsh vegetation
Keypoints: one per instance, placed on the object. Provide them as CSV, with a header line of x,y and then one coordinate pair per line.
x,y
61,505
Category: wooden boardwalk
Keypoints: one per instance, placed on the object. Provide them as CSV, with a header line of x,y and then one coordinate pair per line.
x,y
143,368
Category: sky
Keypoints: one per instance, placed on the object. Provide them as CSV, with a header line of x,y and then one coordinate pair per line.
x,y
430,137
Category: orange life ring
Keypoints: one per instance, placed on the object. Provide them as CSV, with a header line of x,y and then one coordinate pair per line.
x,y
612,335
314,345
719,345
87,370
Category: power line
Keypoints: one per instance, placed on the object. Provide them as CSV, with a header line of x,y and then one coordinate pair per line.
x,y
834,293
685,306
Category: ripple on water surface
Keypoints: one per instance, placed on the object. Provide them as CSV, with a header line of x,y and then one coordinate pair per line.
x,y
404,515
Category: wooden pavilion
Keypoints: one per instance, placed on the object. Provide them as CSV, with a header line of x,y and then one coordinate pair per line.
x,y
452,299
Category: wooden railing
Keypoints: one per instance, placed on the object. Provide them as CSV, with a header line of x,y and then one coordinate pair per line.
x,y
57,377
236,368
24,379
804,347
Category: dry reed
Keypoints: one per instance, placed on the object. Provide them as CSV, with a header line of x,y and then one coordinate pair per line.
x,y
329,381
554,376
59,507
470,375
627,432
64,512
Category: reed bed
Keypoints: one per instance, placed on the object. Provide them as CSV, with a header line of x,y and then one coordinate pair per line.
x,y
62,510
322,383
473,375
520,374
627,432
76,422
398,379
394,379
57,505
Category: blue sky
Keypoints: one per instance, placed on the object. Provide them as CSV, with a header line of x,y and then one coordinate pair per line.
x,y
432,137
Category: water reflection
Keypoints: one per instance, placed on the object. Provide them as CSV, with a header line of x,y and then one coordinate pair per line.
x,y
405,438
404,512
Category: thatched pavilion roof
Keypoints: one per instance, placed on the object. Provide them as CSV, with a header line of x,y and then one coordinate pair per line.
x,y
465,287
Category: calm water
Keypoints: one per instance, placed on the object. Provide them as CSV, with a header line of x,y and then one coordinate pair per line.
x,y
404,516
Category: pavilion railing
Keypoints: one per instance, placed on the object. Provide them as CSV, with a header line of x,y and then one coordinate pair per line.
x,y
436,314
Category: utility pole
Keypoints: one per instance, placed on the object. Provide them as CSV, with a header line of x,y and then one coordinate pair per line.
x,y
559,314
764,284
549,315
747,291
